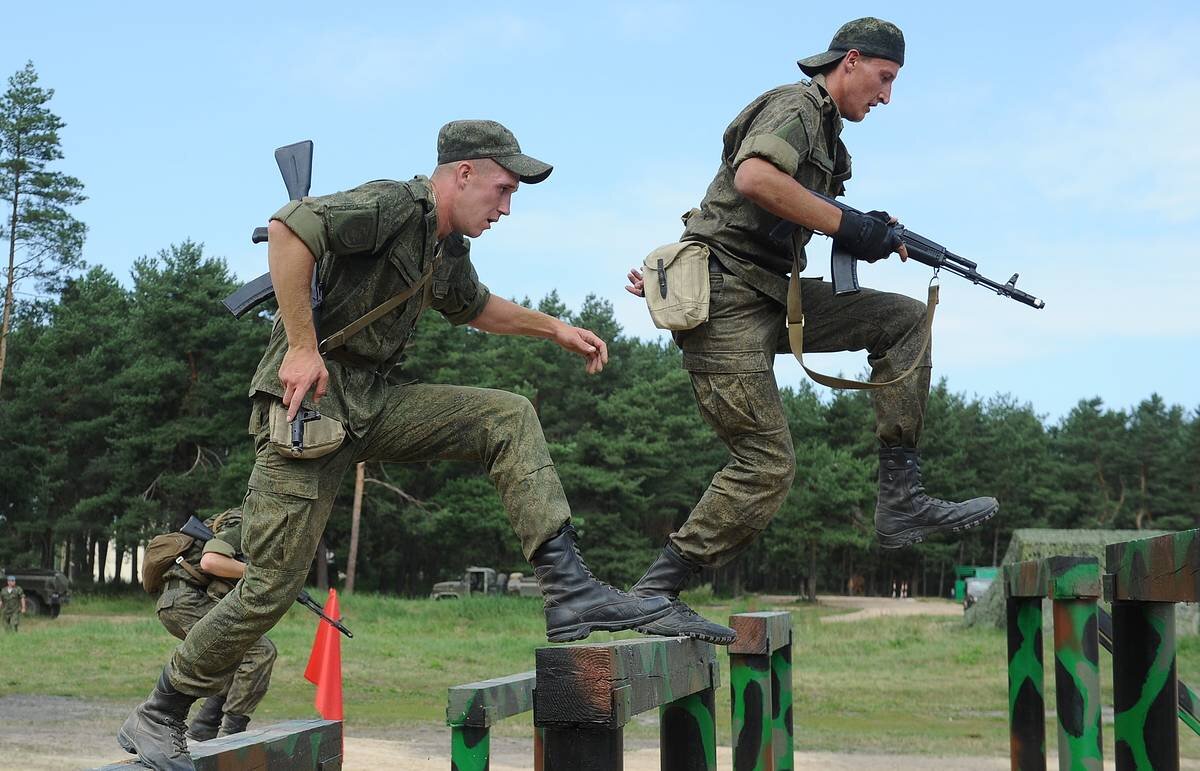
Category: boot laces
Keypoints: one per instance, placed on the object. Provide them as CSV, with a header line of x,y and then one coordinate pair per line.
x,y
588,571
178,735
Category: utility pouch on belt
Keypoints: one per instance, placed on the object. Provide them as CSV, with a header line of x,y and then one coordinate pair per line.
x,y
310,435
676,285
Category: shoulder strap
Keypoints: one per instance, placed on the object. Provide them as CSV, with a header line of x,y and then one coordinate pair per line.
x,y
339,338
795,319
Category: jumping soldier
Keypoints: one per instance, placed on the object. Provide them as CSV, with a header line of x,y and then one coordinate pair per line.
x,y
191,588
395,248
784,144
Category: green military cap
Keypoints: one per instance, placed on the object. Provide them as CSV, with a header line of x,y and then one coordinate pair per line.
x,y
465,140
870,36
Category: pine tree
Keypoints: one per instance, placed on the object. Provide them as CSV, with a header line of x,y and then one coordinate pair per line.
x,y
44,241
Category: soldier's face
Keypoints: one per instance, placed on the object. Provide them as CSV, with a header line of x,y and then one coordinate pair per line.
x,y
485,195
868,83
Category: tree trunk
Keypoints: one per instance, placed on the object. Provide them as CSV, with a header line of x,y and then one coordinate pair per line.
x,y
941,577
118,561
812,572
134,575
322,565
11,276
996,546
355,516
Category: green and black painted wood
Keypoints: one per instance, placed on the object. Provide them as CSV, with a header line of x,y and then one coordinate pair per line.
x,y
1144,580
294,745
472,709
1024,588
1073,584
1189,701
585,694
760,680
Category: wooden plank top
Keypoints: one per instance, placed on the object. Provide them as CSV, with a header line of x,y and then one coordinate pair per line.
x,y
605,685
1073,578
294,745
1165,568
761,633
484,703
1025,579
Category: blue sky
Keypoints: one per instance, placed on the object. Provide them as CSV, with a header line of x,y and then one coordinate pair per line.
x,y
1038,138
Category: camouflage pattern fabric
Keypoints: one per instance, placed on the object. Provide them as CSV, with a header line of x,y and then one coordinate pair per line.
x,y
10,607
372,243
730,357
179,608
289,500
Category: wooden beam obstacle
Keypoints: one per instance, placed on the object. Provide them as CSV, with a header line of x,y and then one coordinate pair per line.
x,y
471,711
294,745
1143,581
586,694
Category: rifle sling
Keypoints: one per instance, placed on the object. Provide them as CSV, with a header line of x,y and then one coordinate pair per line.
x,y
199,577
339,338
795,322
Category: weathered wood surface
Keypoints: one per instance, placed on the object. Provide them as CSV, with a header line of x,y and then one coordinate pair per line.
x,y
488,701
761,633
294,745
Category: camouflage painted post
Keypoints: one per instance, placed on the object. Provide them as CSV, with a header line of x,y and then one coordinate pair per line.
x,y
688,733
1145,578
760,703
1024,587
1144,686
1189,702
473,708
1074,587
782,729
586,694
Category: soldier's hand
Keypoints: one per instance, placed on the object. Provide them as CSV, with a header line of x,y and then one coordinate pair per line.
x,y
637,284
585,343
868,237
302,369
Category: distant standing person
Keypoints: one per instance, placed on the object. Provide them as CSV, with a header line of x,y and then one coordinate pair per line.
x,y
784,144
191,588
12,600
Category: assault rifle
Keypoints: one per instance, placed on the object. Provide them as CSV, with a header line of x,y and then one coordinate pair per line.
x,y
844,266
295,164
201,532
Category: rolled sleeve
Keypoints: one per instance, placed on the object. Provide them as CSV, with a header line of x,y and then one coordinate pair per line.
x,y
465,309
771,148
306,224
217,546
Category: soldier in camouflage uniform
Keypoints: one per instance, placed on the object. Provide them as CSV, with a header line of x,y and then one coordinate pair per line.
x,y
12,604
369,244
784,144
190,590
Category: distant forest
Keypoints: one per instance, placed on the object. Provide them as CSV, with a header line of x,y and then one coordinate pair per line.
x,y
124,410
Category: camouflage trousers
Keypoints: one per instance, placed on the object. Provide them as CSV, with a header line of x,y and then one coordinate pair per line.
x,y
179,608
730,360
288,504
12,620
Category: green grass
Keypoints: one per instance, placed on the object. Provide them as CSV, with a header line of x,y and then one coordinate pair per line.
x,y
916,685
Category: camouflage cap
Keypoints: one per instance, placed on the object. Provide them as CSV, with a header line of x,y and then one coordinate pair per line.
x,y
869,36
465,140
10,578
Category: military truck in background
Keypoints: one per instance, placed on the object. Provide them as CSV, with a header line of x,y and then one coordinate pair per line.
x,y
484,581
46,591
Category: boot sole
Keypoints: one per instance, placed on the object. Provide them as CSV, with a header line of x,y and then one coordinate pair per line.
x,y
918,534
580,631
710,638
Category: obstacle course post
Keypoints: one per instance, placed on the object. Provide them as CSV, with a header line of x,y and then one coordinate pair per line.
x,y
585,694
1074,587
1024,588
473,708
760,684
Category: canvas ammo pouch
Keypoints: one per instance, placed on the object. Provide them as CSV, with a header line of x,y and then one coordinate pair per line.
x,y
320,435
676,285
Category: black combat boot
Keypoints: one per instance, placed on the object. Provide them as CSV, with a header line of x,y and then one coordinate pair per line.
x,y
207,721
576,603
905,515
665,578
234,724
155,730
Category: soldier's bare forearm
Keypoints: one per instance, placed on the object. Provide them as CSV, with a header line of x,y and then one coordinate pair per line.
x,y
504,317
784,197
291,265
